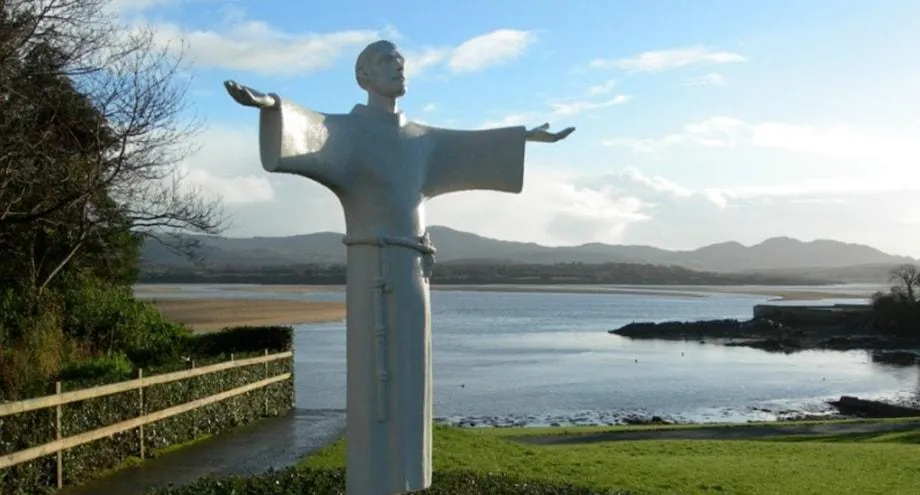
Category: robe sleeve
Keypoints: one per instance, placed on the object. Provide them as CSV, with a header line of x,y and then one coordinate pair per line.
x,y
491,159
299,141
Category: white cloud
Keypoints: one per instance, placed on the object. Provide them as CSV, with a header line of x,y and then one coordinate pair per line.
x,y
490,49
231,191
842,142
417,60
603,88
554,208
431,107
712,79
227,166
125,6
656,61
574,107
845,209
509,121
633,207
559,206
473,55
257,47
565,108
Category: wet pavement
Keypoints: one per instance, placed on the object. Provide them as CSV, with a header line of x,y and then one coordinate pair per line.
x,y
273,443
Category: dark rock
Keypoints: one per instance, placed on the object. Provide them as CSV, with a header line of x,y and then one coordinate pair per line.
x,y
854,406
897,357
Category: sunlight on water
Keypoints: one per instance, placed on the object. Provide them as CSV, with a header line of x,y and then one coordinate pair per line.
x,y
541,358
547,358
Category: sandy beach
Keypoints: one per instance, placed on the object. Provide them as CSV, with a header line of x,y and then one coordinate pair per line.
x,y
214,314
779,293
286,289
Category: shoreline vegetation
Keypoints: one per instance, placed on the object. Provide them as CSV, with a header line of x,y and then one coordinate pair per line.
x,y
886,329
775,292
479,272
785,329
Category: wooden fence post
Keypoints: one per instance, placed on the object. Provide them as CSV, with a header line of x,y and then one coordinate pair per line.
x,y
265,389
140,405
57,436
191,394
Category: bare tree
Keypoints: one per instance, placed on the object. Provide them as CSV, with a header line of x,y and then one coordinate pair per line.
x,y
93,127
908,280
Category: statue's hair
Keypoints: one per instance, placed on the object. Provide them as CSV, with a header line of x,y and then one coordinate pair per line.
x,y
366,58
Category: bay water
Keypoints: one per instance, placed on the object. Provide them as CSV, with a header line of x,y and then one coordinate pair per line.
x,y
541,358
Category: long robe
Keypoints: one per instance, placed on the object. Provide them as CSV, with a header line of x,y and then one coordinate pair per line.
x,y
383,168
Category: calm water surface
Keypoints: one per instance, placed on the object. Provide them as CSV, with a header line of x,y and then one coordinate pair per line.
x,y
545,357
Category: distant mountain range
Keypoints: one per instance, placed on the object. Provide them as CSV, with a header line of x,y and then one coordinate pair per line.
x,y
827,258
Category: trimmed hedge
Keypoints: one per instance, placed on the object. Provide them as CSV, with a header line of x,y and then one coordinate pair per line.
x,y
83,462
241,340
293,481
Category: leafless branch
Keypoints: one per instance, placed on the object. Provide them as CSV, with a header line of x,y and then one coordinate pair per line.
x,y
93,128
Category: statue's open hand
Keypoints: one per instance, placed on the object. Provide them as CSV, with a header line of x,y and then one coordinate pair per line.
x,y
540,134
249,97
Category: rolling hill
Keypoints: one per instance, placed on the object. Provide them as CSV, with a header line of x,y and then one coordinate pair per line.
x,y
780,254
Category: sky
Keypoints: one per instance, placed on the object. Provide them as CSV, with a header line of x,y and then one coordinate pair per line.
x,y
697,122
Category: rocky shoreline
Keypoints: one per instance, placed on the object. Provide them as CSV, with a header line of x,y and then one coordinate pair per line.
x,y
784,329
790,329
846,407
844,331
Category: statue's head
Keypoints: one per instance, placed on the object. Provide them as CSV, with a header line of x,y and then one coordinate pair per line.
x,y
380,69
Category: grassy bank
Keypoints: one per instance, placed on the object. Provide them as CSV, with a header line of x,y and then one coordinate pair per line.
x,y
492,461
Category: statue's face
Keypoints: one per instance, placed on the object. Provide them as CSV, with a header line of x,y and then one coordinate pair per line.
x,y
387,74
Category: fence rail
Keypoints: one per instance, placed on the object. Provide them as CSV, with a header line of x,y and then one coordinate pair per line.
x,y
59,399
49,401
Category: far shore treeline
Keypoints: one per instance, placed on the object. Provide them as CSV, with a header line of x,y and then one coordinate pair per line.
x,y
457,273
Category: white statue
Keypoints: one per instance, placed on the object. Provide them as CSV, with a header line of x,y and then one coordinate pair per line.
x,y
383,167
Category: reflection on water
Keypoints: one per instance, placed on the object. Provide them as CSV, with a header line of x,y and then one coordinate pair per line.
x,y
545,355
539,356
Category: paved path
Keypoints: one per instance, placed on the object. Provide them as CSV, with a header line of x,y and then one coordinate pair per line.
x,y
727,433
271,443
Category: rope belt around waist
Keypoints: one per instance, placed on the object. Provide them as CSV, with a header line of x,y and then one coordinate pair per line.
x,y
384,286
422,244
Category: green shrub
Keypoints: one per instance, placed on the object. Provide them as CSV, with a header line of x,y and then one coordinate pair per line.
x,y
293,481
108,318
239,340
115,365
31,361
895,314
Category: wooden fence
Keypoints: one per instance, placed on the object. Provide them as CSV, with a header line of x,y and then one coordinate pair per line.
x,y
59,399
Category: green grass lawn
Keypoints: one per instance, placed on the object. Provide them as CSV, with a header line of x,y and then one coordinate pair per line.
x,y
882,463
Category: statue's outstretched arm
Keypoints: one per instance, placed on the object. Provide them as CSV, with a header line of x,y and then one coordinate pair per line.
x,y
542,135
249,97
